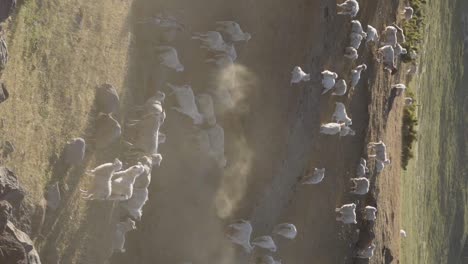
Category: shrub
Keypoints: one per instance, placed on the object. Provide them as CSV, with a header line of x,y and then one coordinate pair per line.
x,y
413,29
409,132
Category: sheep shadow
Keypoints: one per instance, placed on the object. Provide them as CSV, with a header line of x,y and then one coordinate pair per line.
x,y
390,102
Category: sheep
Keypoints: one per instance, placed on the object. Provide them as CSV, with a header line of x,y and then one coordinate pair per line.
x,y
399,50
107,99
286,230
372,34
362,169
360,185
366,253
239,233
186,99
168,57
107,131
135,204
101,187
399,86
356,74
401,33
118,242
144,180
408,101
331,128
147,134
74,151
315,177
340,88
328,80
351,53
298,75
402,233
205,104
408,13
356,27
213,41
153,106
221,60
369,213
381,151
347,213
234,30
265,242
340,114
390,34
379,166
216,137
346,130
122,184
164,21
349,7
388,54
267,260
355,40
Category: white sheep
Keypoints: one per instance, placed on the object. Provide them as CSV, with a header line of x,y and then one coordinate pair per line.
x,y
118,242
399,50
366,253
331,128
408,13
347,213
135,204
101,187
340,88
401,33
206,107
390,34
286,230
298,75
108,130
169,58
399,86
315,177
349,7
362,169
379,166
340,114
388,54
360,185
221,60
147,133
356,74
370,213
356,27
355,40
153,106
351,53
265,242
216,137
186,99
402,233
213,41
239,233
328,80
234,30
123,181
380,151
372,34
144,180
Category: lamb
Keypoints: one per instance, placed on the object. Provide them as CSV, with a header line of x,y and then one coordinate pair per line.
x,y
372,34
221,60
349,7
356,74
169,58
265,242
239,233
144,180
216,137
147,134
362,169
369,213
186,99
356,27
399,50
101,186
331,128
388,54
234,30
340,114
74,151
108,130
328,80
360,185
351,53
408,13
347,213
355,40
298,75
366,253
402,233
340,88
390,34
122,185
118,242
135,204
205,104
286,230
213,40
315,177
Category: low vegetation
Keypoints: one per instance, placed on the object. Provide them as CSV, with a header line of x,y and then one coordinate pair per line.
x,y
414,28
409,132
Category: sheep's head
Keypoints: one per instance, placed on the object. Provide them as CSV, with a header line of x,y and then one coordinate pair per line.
x,y
247,36
117,164
156,159
160,96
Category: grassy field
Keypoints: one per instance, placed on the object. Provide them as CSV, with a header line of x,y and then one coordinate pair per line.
x,y
433,193
59,51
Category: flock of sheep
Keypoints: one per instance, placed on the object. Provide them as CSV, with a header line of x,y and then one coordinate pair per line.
x,y
130,186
